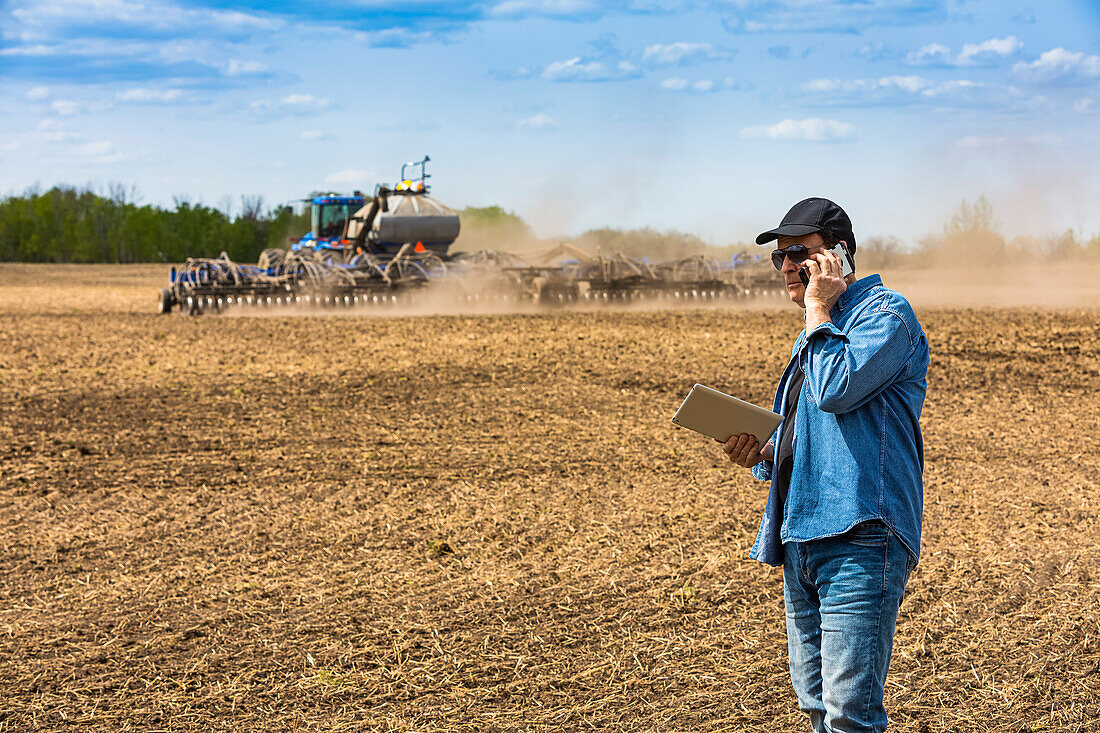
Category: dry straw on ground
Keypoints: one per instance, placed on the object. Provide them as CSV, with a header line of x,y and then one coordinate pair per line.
x,y
451,524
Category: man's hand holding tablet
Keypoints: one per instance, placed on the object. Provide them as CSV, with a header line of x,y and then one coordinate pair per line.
x,y
739,426
745,450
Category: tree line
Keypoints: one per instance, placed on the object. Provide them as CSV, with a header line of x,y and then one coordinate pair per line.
x,y
972,236
67,224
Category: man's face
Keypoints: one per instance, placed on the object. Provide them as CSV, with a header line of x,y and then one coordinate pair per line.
x,y
795,289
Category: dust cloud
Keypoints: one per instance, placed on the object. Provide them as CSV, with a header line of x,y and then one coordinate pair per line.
x,y
69,289
1038,287
1061,285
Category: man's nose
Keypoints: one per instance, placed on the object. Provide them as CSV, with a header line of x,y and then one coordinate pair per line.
x,y
788,266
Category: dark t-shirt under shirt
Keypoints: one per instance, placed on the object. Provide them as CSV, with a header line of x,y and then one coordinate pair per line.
x,y
784,452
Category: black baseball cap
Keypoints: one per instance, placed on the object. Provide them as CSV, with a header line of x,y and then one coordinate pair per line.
x,y
813,215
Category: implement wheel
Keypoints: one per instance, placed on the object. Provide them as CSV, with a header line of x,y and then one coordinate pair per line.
x,y
165,301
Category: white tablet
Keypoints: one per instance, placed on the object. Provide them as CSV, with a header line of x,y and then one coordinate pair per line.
x,y
720,416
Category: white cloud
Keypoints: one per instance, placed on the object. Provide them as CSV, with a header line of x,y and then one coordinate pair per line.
x,y
300,100
10,147
876,51
50,130
551,8
904,90
910,84
242,68
538,122
949,88
59,136
70,107
675,84
818,16
39,49
38,93
100,151
400,37
294,104
39,16
933,53
808,130
315,135
991,50
972,54
48,12
136,41
66,107
142,94
98,47
349,178
232,21
1060,65
575,69
1083,105
677,53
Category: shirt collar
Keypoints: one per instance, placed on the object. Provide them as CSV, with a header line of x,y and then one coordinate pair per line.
x,y
855,292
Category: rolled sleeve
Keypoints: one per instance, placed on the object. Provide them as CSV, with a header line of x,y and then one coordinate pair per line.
x,y
844,370
763,471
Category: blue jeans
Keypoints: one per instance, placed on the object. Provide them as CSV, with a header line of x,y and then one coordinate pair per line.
x,y
842,596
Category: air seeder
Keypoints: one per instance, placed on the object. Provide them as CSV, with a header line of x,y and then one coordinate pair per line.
x,y
393,247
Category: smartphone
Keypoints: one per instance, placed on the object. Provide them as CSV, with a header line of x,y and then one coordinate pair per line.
x,y
846,261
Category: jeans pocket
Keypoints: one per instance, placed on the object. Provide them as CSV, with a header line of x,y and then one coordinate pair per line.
x,y
872,533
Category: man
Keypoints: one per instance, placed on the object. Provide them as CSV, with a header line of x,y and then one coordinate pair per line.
x,y
843,515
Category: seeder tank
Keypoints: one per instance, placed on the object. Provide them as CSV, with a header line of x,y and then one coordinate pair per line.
x,y
359,250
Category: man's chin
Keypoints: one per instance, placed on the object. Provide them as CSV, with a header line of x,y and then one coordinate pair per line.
x,y
797,294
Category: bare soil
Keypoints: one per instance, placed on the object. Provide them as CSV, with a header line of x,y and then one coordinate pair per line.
x,y
457,523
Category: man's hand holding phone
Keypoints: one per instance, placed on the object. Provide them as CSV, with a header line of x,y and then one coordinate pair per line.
x,y
825,273
745,450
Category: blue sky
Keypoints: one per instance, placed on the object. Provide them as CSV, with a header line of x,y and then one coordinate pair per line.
x,y
709,116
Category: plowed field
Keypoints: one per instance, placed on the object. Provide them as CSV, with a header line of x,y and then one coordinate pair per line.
x,y
487,523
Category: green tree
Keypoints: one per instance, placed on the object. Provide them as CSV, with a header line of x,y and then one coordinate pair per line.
x,y
491,227
66,224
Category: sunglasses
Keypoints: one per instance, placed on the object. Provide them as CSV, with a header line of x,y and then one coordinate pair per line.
x,y
796,252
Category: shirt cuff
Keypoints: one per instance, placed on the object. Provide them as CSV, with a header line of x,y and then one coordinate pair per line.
x,y
763,471
827,328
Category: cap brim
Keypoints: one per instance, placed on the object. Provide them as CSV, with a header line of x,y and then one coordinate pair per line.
x,y
790,230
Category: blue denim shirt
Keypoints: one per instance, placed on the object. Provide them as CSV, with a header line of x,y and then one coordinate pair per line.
x,y
858,449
